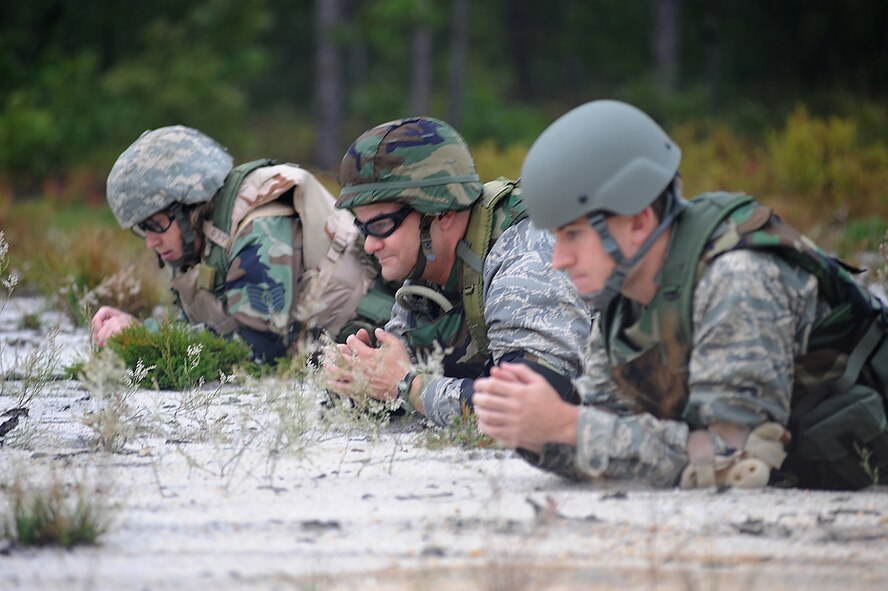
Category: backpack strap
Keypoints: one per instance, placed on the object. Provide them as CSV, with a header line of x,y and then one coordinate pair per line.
x,y
218,231
680,271
473,249
342,234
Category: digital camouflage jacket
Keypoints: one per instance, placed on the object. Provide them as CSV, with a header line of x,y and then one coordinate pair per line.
x,y
531,311
754,324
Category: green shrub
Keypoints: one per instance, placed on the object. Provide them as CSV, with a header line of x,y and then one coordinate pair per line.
x,y
182,355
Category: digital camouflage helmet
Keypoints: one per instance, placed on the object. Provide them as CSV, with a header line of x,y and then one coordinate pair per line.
x,y
602,158
418,161
165,166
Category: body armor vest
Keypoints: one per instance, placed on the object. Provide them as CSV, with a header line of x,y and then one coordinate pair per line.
x,y
650,356
330,274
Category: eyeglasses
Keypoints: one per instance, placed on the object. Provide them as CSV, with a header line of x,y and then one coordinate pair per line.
x,y
384,225
153,225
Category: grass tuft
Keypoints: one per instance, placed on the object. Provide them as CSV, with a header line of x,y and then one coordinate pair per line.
x,y
55,513
461,432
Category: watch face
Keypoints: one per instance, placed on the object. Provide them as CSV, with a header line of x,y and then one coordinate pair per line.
x,y
405,383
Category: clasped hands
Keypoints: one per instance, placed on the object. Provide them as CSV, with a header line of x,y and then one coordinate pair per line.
x,y
519,408
357,369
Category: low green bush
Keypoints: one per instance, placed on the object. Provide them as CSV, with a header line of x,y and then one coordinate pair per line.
x,y
182,355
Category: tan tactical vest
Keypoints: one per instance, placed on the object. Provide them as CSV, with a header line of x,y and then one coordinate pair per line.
x,y
332,276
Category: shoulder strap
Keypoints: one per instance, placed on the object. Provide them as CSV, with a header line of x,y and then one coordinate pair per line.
x,y
218,233
689,239
499,208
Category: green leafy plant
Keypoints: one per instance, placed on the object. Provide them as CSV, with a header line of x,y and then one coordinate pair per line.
x,y
30,321
182,355
866,454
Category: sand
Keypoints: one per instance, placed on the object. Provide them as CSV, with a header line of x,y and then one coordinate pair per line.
x,y
246,486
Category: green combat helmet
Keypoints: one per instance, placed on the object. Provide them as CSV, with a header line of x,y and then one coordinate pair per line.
x,y
419,161
163,167
604,157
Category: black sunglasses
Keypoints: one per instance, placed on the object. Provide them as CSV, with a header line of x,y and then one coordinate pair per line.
x,y
153,225
384,225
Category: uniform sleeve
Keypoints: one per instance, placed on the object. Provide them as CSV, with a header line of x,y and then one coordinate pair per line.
x,y
440,395
260,287
612,440
530,308
752,314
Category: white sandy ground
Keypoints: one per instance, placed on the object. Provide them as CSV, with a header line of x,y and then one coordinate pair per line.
x,y
200,503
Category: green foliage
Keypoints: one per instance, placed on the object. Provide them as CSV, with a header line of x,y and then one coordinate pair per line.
x,y
824,160
52,122
493,161
190,63
182,355
825,176
461,432
866,455
54,513
30,321
863,234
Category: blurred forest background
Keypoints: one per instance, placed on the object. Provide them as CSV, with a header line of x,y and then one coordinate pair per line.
x,y
786,99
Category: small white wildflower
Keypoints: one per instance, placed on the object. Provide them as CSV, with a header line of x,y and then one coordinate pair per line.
x,y
193,355
11,282
134,377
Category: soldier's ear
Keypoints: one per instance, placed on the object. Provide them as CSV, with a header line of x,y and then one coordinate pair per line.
x,y
445,220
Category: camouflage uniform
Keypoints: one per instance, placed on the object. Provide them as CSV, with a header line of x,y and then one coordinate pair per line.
x,y
261,287
270,259
754,314
751,315
531,310
756,352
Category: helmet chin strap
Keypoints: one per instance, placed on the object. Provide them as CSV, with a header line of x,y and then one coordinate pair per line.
x,y
425,253
189,241
601,298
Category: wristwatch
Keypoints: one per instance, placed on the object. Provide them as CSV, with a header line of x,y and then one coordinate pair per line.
x,y
403,391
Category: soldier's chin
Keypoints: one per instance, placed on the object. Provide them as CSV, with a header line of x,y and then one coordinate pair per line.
x,y
391,273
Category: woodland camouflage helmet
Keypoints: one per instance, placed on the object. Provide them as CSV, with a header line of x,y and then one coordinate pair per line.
x,y
603,156
164,166
419,161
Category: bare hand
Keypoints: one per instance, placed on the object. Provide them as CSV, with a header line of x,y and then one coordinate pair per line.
x,y
356,369
519,408
107,322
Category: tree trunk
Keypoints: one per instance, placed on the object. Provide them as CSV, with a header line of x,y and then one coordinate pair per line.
x,y
712,49
665,42
328,87
459,51
421,79
517,25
